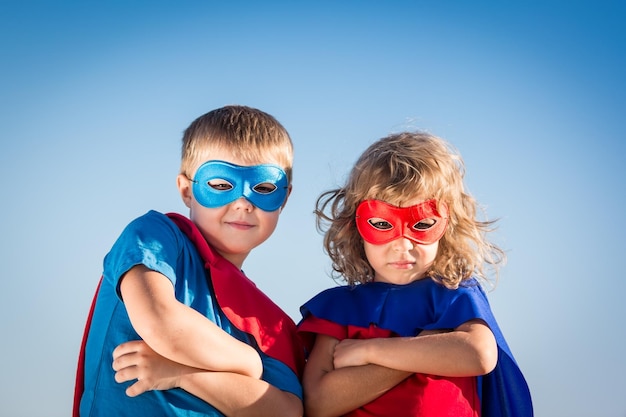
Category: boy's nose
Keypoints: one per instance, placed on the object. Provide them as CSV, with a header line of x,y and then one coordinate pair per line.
x,y
243,203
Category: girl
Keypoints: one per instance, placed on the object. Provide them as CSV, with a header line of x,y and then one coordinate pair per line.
x,y
412,334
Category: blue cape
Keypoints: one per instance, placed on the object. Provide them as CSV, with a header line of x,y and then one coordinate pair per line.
x,y
426,305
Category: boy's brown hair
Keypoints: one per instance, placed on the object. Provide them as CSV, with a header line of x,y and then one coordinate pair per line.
x,y
249,133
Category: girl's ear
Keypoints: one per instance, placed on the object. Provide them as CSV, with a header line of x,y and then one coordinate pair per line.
x,y
184,188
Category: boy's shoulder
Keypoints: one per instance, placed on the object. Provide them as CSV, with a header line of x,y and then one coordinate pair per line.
x,y
150,219
153,228
151,215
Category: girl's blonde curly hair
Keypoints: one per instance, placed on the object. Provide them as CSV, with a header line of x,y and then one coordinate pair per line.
x,y
397,169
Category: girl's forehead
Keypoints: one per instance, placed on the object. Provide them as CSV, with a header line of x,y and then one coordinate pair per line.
x,y
413,201
398,198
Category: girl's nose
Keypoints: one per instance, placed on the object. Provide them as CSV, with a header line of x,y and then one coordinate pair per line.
x,y
403,244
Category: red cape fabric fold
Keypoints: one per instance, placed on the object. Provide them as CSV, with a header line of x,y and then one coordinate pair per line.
x,y
247,307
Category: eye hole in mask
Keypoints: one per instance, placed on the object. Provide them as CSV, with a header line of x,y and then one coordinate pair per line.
x,y
264,188
382,224
219,184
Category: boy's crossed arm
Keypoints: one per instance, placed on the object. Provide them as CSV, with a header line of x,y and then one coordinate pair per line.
x,y
233,394
183,349
178,332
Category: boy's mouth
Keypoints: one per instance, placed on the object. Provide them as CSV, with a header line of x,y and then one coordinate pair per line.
x,y
240,225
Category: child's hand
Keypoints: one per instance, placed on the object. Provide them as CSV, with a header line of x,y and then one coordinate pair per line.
x,y
136,360
350,352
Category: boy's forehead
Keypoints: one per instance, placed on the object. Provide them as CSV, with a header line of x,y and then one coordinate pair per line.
x,y
237,161
240,161
236,156
243,156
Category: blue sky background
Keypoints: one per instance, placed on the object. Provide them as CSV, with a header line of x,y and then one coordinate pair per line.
x,y
94,97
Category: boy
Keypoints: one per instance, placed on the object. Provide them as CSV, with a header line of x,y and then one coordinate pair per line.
x,y
176,284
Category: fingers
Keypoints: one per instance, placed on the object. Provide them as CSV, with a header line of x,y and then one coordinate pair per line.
x,y
126,370
128,347
125,374
124,361
136,389
128,373
350,352
126,354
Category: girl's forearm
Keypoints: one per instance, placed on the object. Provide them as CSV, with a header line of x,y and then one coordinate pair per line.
x,y
469,350
342,390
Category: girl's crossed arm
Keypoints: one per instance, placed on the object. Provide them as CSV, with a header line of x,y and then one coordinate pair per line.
x,y
333,391
342,376
468,350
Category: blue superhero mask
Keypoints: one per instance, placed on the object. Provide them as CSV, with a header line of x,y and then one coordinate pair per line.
x,y
218,183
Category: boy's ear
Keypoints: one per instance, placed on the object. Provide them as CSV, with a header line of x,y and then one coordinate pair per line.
x,y
287,197
184,188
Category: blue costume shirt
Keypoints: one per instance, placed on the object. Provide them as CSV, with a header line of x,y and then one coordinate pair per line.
x,y
156,242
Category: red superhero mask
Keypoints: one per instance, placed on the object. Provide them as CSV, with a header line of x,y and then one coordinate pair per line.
x,y
379,222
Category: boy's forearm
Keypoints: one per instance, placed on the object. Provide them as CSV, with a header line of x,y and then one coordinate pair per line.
x,y
178,332
239,395
191,339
